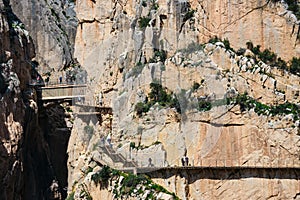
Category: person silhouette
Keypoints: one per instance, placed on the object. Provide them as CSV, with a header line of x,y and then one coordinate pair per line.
x,y
150,163
186,161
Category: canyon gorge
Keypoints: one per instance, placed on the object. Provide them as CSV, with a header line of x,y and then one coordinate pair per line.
x,y
103,99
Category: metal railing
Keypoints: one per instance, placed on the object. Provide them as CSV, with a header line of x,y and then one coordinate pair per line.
x,y
158,163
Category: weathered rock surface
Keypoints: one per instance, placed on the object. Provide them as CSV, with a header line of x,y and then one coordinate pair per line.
x,y
52,26
120,44
31,160
14,75
125,46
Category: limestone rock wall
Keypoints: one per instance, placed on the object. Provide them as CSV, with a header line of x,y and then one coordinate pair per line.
x,y
16,47
118,41
108,29
231,184
32,151
262,22
52,26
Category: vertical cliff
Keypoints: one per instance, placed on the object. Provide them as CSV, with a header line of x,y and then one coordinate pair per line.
x,y
33,138
176,89
16,49
52,26
166,79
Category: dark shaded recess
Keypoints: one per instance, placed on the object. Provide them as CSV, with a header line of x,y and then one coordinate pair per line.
x,y
45,157
45,150
3,84
4,162
57,137
37,171
192,175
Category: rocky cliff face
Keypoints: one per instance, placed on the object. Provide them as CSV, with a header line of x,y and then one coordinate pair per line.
x,y
165,92
52,26
32,138
16,48
127,45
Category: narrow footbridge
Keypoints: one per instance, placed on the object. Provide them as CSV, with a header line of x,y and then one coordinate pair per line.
x,y
145,170
137,167
63,92
93,109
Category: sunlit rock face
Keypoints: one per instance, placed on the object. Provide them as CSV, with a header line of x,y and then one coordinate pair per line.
x,y
52,26
124,46
127,45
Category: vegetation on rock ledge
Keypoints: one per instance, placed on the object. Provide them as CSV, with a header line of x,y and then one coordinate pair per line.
x,y
129,185
158,95
247,103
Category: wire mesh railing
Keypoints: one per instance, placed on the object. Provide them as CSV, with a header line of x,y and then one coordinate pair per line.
x,y
63,91
152,161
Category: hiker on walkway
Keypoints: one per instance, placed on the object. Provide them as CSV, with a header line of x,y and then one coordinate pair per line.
x,y
186,161
183,161
150,164
100,98
108,139
102,140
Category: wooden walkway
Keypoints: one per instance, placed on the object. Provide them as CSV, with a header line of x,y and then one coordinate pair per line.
x,y
62,92
143,170
205,164
93,109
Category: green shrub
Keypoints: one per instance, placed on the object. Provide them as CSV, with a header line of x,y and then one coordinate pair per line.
x,y
102,176
204,105
154,5
227,44
214,39
286,108
195,86
128,187
268,57
132,145
144,22
159,55
249,45
141,108
144,3
256,50
294,7
295,65
159,95
133,180
281,64
246,103
271,58
188,15
240,51
71,196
